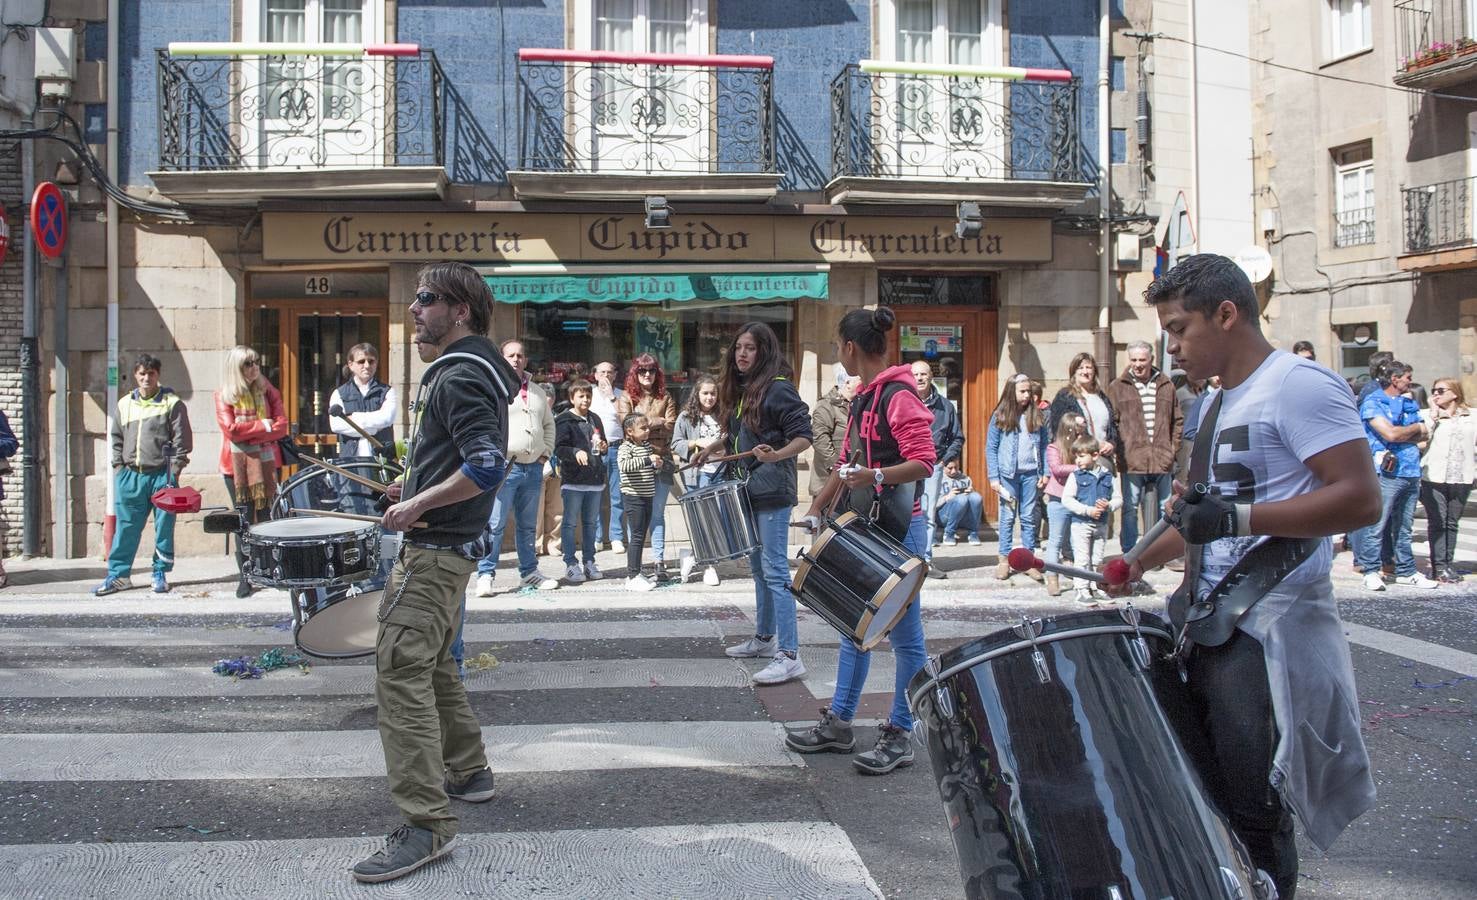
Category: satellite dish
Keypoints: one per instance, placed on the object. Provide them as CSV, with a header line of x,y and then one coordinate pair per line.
x,y
1255,262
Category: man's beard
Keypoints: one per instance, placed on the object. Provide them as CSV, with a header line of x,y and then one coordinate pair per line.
x,y
428,342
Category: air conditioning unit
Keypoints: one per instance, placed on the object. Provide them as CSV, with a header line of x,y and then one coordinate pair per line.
x,y
56,61
1127,253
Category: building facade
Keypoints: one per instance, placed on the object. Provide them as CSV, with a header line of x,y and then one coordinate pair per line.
x,y
808,158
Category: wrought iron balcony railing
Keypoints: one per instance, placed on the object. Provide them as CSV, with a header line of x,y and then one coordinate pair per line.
x,y
1433,33
246,113
1439,216
918,126
1353,226
646,114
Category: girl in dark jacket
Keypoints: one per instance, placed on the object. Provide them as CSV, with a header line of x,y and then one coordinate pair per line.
x,y
760,410
579,444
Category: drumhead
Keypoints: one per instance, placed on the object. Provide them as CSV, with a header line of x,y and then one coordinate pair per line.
x,y
348,628
909,581
306,527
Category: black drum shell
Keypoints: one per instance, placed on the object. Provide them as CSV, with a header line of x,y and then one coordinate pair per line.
x,y
859,579
307,562
1072,787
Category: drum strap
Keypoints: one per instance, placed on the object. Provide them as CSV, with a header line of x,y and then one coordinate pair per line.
x,y
1212,620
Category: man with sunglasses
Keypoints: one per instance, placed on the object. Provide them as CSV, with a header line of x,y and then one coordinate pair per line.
x,y
432,740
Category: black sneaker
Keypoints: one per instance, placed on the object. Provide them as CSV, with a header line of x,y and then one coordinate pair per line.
x,y
406,849
476,789
830,734
894,749
244,588
936,572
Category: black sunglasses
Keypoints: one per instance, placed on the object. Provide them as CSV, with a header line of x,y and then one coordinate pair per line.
x,y
647,370
425,298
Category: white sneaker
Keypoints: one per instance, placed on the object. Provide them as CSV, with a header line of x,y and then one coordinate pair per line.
x,y
1416,580
686,562
753,647
592,571
1085,597
780,670
484,585
617,546
638,583
537,581
951,541
1373,581
974,540
574,573
710,576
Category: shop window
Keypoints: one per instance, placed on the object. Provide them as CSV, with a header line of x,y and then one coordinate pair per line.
x,y
902,289
1357,343
567,340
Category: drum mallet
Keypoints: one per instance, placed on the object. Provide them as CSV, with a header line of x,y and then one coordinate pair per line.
x,y
1116,571
1020,559
337,470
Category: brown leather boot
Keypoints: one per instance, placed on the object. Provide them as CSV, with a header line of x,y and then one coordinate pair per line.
x,y
1054,585
1036,575
1002,571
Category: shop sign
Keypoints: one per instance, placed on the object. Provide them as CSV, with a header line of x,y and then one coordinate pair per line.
x,y
657,287
621,238
931,340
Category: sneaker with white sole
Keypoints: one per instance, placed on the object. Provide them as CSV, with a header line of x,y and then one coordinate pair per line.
x,y
476,788
406,849
484,585
592,571
638,583
112,586
539,581
574,573
1373,581
829,735
754,646
686,562
1085,597
1416,580
893,750
710,577
781,669
617,546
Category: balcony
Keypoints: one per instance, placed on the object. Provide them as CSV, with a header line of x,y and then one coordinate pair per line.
x,y
599,125
1438,43
1352,227
235,128
1439,232
901,134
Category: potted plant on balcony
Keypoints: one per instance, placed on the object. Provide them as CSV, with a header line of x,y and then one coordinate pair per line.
x,y
1437,51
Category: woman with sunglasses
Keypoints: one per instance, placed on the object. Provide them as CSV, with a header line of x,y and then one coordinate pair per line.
x,y
646,395
252,419
1448,467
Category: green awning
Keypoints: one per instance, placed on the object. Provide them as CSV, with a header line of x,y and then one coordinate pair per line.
x,y
657,287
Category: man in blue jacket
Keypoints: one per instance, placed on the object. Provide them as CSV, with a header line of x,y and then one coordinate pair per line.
x,y
948,443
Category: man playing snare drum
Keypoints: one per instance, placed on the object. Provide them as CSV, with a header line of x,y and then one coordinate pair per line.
x,y
1280,463
432,741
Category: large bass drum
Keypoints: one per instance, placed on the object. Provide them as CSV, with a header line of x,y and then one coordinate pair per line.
x,y
1059,770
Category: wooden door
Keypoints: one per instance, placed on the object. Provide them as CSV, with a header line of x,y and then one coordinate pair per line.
x,y
960,343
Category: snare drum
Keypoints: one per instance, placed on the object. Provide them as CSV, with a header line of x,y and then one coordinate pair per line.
x,y
343,622
858,578
719,522
304,553
1059,770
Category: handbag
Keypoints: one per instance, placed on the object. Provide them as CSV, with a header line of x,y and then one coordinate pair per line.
x,y
289,449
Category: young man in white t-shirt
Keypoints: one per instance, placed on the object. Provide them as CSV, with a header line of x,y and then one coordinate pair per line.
x,y
1290,459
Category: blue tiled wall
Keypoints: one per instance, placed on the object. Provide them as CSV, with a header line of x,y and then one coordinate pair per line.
x,y
1062,34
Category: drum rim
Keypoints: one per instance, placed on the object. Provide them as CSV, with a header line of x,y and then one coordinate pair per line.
x,y
352,529
1025,643
317,582
892,581
713,488
808,556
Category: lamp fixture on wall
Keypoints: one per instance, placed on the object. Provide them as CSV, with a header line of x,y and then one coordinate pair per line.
x,y
971,223
658,213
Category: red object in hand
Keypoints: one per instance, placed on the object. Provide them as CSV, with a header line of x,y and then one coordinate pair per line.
x,y
176,499
1116,572
1020,559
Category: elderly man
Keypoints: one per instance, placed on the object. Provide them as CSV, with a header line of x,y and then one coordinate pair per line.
x,y
1149,426
948,443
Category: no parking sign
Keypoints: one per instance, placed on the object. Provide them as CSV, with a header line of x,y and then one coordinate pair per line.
x,y
49,219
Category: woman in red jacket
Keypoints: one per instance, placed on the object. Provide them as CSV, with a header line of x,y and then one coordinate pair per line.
x,y
252,420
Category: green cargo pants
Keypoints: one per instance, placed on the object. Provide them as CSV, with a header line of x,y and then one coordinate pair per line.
x,y
426,725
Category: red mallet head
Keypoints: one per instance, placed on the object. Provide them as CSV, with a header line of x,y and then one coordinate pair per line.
x,y
1020,559
177,499
1116,572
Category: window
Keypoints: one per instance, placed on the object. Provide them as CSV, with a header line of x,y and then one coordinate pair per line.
x,y
1357,343
1353,191
1117,74
1118,145
1349,27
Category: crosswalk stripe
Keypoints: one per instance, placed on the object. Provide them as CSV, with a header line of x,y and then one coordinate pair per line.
x,y
764,859
1447,658
358,754
336,680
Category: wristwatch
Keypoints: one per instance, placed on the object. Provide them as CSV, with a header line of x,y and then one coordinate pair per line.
x,y
877,477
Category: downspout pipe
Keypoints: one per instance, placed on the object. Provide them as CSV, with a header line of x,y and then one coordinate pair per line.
x,y
110,518
31,509
1103,334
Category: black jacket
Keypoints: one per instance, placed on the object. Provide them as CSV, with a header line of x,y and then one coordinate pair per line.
x,y
462,408
948,440
783,417
1066,402
572,434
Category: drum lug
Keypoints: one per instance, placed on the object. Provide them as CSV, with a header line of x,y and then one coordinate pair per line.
x,y
941,696
1030,629
1138,647
1232,882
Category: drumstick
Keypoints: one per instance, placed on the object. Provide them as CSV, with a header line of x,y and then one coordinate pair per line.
x,y
374,442
1020,559
358,517
716,459
1116,571
367,482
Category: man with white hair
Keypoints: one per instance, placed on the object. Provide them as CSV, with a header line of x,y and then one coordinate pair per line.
x,y
948,443
1149,425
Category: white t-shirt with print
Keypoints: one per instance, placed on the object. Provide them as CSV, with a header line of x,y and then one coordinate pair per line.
x,y
1289,410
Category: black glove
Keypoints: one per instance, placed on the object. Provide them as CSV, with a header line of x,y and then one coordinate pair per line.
x,y
1205,517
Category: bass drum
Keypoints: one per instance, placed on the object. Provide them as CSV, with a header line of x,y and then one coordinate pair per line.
x,y
1060,773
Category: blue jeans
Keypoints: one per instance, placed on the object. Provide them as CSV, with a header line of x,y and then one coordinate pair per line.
x,y
962,513
520,492
659,517
1021,486
930,503
771,568
908,653
1057,519
1134,485
581,508
1389,538
617,530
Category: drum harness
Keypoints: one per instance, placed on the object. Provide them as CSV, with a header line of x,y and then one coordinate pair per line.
x,y
1211,620
481,545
